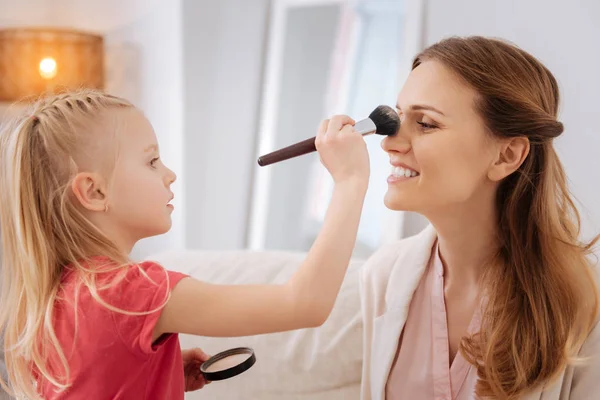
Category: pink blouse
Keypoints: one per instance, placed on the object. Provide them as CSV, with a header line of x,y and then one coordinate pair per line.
x,y
420,369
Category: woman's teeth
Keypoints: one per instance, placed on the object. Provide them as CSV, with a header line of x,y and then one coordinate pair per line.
x,y
403,172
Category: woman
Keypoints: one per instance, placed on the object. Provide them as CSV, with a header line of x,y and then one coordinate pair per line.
x,y
497,298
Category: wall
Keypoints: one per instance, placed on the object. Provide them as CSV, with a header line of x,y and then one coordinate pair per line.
x,y
223,44
564,35
306,59
97,16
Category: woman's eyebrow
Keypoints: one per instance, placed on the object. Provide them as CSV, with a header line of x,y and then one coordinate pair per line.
x,y
420,107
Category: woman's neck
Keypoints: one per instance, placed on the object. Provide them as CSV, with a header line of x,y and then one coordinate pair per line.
x,y
467,239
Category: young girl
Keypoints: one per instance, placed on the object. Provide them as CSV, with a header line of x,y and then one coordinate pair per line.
x,y
81,183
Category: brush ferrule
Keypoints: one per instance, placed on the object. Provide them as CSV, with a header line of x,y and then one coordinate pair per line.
x,y
365,126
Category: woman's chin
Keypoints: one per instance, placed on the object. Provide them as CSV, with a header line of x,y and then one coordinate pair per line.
x,y
397,202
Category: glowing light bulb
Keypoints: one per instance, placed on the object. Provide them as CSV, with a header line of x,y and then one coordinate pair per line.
x,y
48,68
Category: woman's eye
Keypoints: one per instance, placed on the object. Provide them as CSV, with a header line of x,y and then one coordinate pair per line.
x,y
425,125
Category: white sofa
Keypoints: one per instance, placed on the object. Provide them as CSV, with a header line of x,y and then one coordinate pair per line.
x,y
309,364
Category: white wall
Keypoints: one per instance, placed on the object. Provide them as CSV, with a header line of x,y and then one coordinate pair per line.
x,y
306,59
223,58
97,16
565,36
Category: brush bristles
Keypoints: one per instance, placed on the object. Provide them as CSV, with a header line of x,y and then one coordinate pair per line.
x,y
386,120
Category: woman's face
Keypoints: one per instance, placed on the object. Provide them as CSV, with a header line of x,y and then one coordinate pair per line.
x,y
442,154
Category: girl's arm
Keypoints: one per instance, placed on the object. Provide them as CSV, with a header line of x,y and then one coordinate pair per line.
x,y
307,299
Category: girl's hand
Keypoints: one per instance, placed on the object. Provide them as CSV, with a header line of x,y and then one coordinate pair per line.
x,y
192,359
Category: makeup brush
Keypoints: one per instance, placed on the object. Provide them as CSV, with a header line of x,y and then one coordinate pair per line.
x,y
382,121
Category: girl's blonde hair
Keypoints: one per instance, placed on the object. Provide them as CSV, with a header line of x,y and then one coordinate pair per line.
x,y
43,230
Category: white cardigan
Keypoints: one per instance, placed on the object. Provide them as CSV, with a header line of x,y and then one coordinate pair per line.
x,y
399,266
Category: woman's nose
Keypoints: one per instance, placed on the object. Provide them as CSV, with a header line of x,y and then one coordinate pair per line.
x,y
399,142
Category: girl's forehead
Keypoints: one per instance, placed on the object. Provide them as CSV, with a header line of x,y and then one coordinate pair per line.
x,y
134,130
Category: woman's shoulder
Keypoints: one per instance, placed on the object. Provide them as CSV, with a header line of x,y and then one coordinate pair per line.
x,y
410,250
397,261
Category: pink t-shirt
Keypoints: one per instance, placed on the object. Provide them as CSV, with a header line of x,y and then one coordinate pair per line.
x,y
110,354
421,370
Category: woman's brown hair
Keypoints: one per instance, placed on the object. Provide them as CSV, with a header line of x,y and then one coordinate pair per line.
x,y
542,297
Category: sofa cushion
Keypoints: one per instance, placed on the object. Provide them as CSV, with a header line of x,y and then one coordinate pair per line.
x,y
320,363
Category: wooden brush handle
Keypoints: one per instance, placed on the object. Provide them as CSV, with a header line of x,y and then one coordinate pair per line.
x,y
295,150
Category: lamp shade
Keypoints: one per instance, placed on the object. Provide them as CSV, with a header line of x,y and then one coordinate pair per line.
x,y
34,61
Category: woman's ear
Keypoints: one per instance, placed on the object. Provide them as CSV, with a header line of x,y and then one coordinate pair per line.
x,y
510,156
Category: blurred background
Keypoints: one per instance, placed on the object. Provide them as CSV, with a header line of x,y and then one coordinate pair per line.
x,y
224,81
